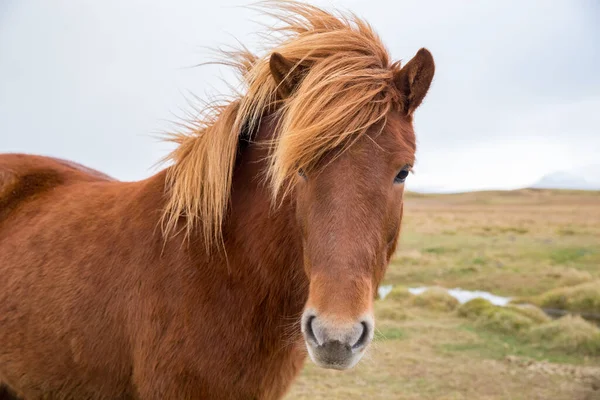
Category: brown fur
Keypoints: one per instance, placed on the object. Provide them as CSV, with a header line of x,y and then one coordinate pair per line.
x,y
96,302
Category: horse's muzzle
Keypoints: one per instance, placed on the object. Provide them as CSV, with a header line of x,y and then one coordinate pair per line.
x,y
336,345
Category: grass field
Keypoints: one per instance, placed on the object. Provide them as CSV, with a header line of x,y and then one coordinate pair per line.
x,y
535,245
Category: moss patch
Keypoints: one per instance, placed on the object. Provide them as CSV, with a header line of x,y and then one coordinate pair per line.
x,y
530,311
528,324
511,320
474,308
580,298
398,293
436,299
569,334
505,320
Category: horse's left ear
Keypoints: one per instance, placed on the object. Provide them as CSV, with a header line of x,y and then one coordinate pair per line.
x,y
286,73
413,80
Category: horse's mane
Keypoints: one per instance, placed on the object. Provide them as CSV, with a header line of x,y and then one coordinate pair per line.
x,y
347,87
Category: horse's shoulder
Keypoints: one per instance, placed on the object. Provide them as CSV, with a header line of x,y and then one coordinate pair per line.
x,y
24,176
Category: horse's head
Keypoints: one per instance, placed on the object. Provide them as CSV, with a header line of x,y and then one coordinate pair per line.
x,y
349,209
339,144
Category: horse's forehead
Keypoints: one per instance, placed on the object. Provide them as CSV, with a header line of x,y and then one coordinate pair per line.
x,y
398,134
394,141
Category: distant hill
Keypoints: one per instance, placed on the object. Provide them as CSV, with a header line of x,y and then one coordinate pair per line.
x,y
581,178
586,178
500,198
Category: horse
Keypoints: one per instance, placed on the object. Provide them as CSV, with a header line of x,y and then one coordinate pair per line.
x,y
262,240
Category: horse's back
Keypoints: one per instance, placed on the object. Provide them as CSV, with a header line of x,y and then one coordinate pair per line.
x,y
25,177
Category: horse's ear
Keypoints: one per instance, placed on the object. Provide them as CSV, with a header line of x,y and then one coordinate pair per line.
x,y
413,80
286,73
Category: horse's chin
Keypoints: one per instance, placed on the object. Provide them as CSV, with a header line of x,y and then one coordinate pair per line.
x,y
325,359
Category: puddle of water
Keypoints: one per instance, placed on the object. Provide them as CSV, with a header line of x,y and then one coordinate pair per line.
x,y
384,290
463,296
459,294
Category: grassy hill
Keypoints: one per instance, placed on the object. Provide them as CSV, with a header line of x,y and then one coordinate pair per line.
x,y
530,243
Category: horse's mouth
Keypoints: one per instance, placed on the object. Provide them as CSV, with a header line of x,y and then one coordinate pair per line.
x,y
335,355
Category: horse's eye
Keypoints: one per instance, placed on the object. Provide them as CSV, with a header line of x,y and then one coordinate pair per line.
x,y
301,173
401,177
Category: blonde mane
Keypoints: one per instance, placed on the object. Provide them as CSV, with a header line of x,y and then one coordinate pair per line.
x,y
347,88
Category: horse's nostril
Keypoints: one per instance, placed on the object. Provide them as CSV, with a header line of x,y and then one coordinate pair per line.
x,y
308,330
364,336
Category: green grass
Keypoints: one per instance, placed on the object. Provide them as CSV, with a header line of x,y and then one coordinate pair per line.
x,y
498,346
390,334
570,254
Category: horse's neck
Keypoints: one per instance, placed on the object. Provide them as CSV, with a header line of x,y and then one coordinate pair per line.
x,y
262,241
263,250
260,275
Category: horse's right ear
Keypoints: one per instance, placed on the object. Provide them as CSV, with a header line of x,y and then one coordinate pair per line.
x,y
286,73
413,80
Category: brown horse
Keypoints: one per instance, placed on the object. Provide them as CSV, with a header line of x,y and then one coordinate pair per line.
x,y
266,237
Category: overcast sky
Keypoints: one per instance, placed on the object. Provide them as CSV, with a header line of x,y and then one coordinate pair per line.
x,y
516,93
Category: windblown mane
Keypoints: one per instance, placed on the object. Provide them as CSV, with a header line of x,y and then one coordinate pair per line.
x,y
347,88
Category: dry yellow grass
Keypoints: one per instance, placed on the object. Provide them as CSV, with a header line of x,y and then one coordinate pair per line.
x,y
570,334
434,356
